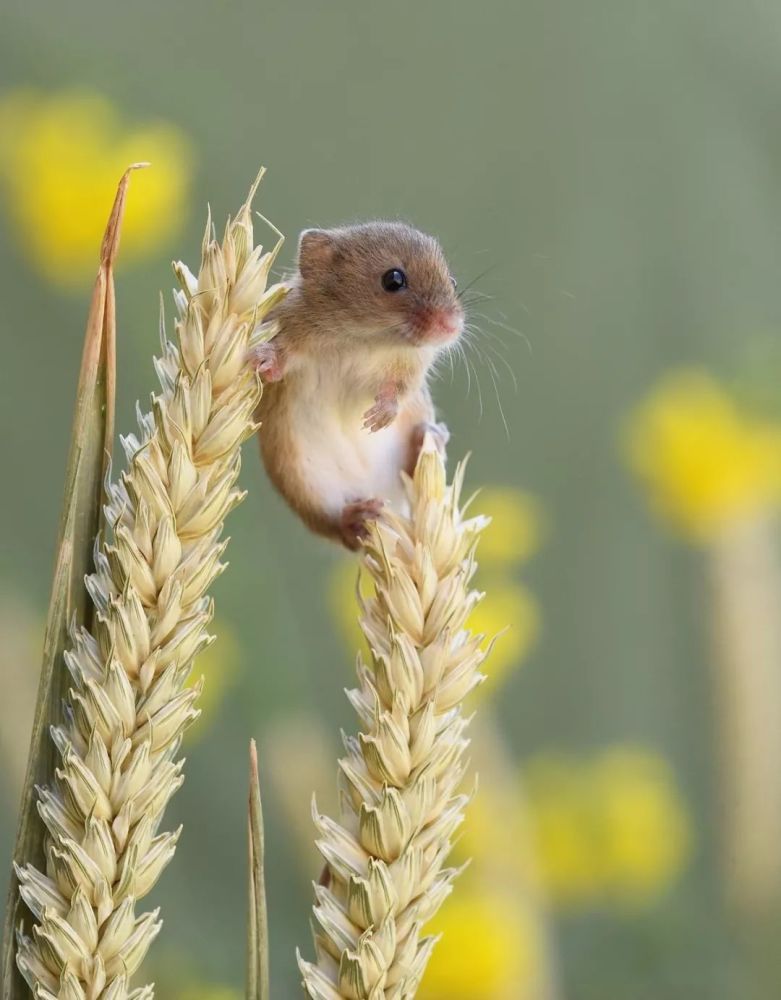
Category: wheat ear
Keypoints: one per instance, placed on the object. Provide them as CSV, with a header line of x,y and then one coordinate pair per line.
x,y
128,706
400,777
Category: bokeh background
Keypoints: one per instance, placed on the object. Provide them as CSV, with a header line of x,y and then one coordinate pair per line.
x,y
609,175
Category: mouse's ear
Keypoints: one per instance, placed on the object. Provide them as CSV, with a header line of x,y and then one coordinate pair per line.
x,y
315,251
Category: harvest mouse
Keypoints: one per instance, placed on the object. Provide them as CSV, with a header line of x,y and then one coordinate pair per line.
x,y
346,402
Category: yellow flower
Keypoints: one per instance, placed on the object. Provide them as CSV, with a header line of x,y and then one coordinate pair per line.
x,y
646,827
60,159
517,526
219,665
505,601
482,842
562,814
490,949
611,829
704,461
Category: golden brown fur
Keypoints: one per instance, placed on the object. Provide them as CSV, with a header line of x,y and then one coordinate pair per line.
x,y
345,378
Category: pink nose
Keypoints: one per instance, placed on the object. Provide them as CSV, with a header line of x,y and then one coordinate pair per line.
x,y
445,322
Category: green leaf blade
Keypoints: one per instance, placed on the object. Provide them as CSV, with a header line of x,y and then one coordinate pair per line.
x,y
80,522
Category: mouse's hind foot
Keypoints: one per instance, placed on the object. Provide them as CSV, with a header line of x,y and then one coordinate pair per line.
x,y
354,522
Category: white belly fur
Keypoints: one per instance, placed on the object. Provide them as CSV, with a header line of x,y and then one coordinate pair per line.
x,y
342,461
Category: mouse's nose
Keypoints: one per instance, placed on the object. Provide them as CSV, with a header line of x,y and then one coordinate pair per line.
x,y
445,324
437,324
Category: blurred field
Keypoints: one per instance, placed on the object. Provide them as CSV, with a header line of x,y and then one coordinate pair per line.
x,y
610,176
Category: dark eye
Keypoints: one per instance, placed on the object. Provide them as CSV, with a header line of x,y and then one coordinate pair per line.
x,y
394,280
453,281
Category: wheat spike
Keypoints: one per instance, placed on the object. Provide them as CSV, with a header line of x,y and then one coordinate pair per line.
x,y
401,776
128,705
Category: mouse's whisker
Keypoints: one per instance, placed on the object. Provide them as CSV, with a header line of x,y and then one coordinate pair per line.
x,y
491,339
507,329
492,372
471,368
445,360
491,352
494,375
475,297
510,369
473,332
469,334
486,353
462,353
468,368
498,352
479,394
474,280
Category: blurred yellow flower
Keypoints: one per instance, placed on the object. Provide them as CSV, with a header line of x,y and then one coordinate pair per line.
x,y
490,949
647,834
481,840
508,608
704,461
61,157
219,665
517,526
503,851
611,829
562,813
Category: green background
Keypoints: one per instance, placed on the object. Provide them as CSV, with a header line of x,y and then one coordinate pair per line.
x,y
617,166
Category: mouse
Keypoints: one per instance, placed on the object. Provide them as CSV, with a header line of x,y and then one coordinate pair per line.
x,y
346,403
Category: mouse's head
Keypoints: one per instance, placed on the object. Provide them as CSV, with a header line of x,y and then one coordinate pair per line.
x,y
381,280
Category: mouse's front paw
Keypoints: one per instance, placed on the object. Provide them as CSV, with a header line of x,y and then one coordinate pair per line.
x,y
382,414
268,362
355,520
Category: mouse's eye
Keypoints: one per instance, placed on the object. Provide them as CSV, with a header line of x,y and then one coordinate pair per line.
x,y
394,280
453,281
